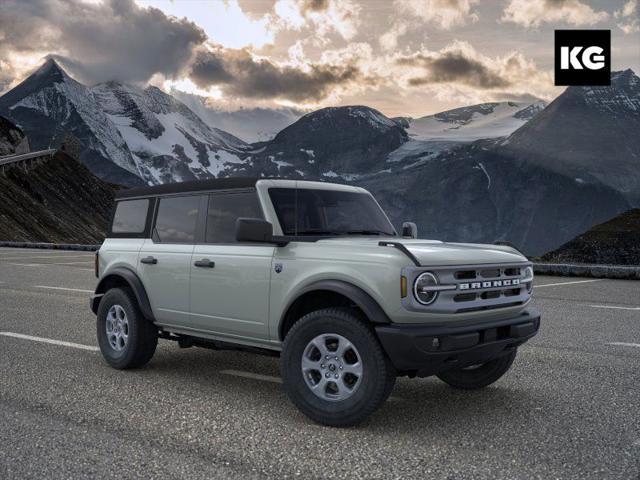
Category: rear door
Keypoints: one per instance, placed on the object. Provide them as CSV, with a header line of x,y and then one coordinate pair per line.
x,y
230,280
164,262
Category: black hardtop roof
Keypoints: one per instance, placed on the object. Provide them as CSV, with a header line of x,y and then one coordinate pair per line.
x,y
185,187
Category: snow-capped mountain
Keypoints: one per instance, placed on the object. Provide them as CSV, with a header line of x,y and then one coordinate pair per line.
x,y
49,105
334,143
466,124
129,135
166,139
250,124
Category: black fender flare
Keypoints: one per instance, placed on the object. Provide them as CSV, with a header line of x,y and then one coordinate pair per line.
x,y
358,296
134,282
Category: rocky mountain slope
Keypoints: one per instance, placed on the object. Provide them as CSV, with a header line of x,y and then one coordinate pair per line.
x,y
476,193
615,242
590,134
129,135
58,200
12,140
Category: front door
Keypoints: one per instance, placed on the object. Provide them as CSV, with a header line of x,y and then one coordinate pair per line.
x,y
164,262
230,280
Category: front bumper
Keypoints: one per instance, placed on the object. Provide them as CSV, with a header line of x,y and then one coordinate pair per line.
x,y
426,350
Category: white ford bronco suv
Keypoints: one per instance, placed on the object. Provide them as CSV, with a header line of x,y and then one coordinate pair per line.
x,y
315,273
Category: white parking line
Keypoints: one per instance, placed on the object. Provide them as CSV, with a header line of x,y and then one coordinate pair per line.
x,y
63,288
253,376
50,341
623,344
67,263
614,307
566,283
49,265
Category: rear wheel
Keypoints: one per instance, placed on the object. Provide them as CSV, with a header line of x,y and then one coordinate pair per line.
x,y
126,338
479,376
334,369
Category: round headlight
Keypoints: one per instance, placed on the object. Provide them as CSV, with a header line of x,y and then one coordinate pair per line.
x,y
528,275
422,290
528,272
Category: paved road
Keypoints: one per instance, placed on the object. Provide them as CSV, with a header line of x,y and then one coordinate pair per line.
x,y
569,408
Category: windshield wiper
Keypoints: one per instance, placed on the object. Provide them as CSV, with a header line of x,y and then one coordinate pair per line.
x,y
318,231
368,232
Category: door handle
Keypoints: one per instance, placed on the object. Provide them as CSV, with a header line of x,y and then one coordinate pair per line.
x,y
149,260
204,263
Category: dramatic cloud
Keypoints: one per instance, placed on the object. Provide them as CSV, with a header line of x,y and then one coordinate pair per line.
x,y
532,13
239,73
322,16
628,17
459,70
389,40
443,13
456,64
111,40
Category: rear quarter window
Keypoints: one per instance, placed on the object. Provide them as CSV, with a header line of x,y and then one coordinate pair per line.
x,y
130,216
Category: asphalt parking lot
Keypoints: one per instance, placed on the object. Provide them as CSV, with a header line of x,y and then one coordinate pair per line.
x,y
569,408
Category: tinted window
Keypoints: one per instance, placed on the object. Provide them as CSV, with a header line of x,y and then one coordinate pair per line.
x,y
224,210
176,220
130,216
328,212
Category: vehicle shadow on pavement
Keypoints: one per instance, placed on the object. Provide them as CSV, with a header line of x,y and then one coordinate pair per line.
x,y
414,403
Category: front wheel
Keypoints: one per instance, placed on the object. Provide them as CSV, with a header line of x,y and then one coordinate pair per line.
x,y
479,376
334,369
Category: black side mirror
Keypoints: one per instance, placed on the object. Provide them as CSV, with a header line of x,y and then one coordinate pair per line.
x,y
253,230
409,230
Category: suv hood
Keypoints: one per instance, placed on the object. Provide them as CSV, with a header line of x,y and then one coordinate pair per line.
x,y
436,253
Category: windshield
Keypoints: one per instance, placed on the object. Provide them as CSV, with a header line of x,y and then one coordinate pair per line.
x,y
328,212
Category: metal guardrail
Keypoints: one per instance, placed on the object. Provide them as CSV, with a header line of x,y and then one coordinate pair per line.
x,y
11,159
630,272
49,246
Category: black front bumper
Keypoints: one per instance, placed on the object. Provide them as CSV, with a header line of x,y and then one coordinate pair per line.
x,y
427,350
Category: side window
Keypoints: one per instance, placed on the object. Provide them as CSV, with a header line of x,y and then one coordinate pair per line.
x,y
224,210
177,218
130,216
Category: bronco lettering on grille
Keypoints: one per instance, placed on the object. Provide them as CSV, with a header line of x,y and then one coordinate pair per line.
x,y
491,284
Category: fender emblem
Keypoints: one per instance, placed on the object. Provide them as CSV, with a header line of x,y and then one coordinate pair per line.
x,y
278,267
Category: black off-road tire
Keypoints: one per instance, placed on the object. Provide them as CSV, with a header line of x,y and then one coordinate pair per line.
x,y
142,334
481,376
378,376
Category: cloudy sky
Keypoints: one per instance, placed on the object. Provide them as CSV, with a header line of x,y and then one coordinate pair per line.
x,y
403,57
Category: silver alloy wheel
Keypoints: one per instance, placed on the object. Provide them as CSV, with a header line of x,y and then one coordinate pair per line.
x,y
117,326
332,367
